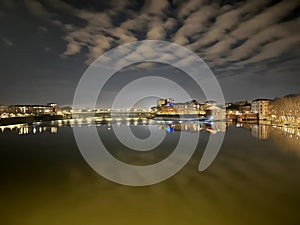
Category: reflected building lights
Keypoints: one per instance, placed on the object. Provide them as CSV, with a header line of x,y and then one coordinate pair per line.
x,y
53,130
288,137
27,129
193,127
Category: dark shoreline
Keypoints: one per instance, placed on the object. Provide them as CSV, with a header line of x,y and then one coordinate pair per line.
x,y
29,119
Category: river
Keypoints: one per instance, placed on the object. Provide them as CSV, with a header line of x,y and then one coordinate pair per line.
x,y
254,179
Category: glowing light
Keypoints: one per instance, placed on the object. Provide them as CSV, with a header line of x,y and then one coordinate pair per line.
x,y
53,130
170,129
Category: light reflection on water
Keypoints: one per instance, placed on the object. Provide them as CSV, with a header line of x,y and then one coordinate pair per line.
x,y
288,138
254,179
282,135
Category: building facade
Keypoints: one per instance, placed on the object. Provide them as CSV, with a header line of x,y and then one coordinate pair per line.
x,y
190,107
33,109
261,108
215,113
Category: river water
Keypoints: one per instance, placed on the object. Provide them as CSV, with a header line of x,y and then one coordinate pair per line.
x,y
253,180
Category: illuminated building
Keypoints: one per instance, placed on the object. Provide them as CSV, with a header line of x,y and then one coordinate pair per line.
x,y
31,109
209,103
4,111
190,107
215,113
245,108
161,102
170,101
260,107
54,106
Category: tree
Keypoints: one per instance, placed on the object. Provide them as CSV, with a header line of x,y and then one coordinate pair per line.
x,y
286,109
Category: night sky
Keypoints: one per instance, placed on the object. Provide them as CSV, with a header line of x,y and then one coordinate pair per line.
x,y
45,46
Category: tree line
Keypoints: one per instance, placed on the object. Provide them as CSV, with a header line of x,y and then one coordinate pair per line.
x,y
286,109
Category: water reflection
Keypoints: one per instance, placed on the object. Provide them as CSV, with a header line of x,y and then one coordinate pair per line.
x,y
261,132
45,175
23,129
287,138
42,127
168,126
194,127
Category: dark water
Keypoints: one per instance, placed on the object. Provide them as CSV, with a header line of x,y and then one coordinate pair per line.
x,y
254,179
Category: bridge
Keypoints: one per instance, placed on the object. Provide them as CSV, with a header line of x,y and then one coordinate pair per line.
x,y
114,114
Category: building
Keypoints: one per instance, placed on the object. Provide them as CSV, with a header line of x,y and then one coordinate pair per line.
x,y
190,107
161,102
209,108
215,113
170,101
164,102
209,103
248,117
260,107
32,109
54,107
65,111
3,109
241,103
232,111
245,108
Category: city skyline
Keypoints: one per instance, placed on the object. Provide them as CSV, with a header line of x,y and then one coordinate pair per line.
x,y
153,101
251,46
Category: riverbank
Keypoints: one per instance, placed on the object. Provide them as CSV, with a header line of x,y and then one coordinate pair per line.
x,y
270,123
29,119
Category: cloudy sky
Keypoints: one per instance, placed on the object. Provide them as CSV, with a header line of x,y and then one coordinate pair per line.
x,y
45,46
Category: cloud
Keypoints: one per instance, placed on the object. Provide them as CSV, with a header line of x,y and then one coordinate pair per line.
x,y
7,42
250,27
38,10
275,49
99,34
268,17
90,36
238,39
226,36
47,49
254,45
158,29
195,23
97,20
73,48
227,21
8,4
189,7
101,44
43,29
122,35
155,6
